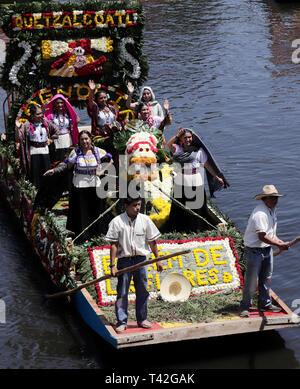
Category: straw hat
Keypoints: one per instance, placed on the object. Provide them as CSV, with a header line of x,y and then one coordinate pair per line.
x,y
268,190
175,287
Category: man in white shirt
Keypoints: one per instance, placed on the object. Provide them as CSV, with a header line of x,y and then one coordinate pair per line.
x,y
259,237
132,235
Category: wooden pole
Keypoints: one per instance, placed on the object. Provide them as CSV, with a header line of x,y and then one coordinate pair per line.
x,y
292,242
119,273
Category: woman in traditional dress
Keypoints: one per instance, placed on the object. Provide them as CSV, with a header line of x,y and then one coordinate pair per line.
x,y
35,136
85,206
60,112
191,154
104,117
146,96
154,121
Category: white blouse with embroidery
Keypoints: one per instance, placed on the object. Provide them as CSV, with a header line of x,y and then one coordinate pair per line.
x,y
64,140
85,169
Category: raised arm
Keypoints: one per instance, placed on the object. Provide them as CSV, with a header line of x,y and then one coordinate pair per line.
x,y
174,138
170,144
167,120
92,87
129,103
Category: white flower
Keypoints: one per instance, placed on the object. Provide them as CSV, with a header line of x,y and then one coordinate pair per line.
x,y
16,67
58,47
99,44
135,17
126,57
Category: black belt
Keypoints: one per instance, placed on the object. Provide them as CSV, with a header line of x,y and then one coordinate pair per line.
x,y
38,144
90,172
190,171
258,248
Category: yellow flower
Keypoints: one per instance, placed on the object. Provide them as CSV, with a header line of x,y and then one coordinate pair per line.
x,y
46,49
109,45
163,208
227,277
166,171
143,160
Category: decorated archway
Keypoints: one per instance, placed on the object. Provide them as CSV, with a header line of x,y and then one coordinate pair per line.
x,y
58,47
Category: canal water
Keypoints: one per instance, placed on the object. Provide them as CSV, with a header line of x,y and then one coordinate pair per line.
x,y
229,69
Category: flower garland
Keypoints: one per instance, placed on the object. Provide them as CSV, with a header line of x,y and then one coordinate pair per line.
x,y
17,66
39,230
36,22
105,24
73,92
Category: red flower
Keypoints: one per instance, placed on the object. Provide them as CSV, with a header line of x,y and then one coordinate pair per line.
x,y
60,62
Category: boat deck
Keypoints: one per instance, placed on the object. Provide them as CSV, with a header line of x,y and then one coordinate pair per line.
x,y
164,332
174,332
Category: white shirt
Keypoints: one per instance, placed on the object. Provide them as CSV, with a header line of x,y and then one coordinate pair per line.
x,y
262,219
132,236
39,135
64,140
106,117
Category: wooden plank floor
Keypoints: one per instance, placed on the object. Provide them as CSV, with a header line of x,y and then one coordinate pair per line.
x,y
174,332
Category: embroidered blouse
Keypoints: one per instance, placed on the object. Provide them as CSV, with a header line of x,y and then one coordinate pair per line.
x,y
40,133
105,118
63,122
85,167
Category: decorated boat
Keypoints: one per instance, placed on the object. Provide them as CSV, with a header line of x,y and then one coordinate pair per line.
x,y
54,49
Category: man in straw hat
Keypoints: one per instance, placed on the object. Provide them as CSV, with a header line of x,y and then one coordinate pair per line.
x,y
259,237
132,235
